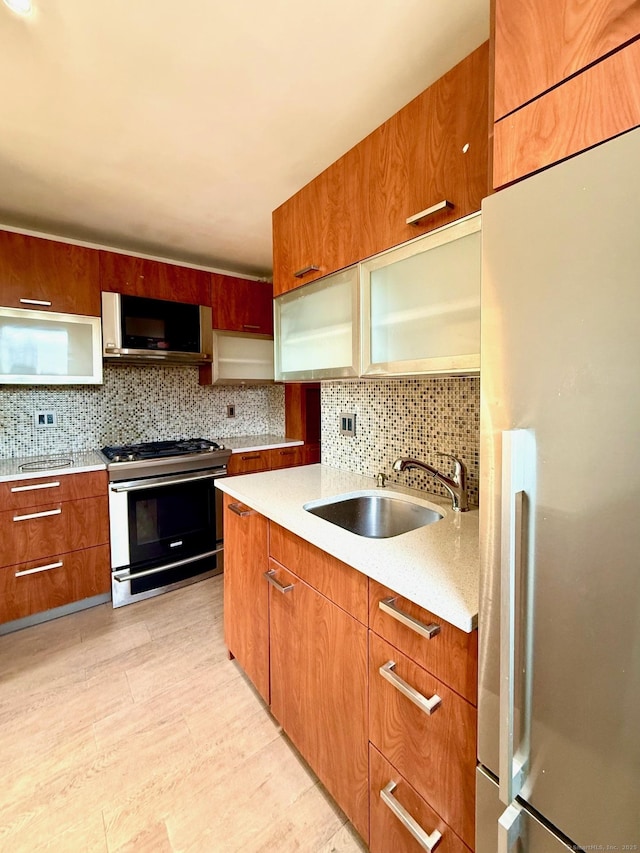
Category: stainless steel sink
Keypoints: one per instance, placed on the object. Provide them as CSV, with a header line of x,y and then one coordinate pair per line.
x,y
374,516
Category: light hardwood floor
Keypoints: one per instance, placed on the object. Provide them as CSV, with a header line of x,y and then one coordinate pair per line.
x,y
130,730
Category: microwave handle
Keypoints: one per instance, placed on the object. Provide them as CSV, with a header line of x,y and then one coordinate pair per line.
x,y
158,482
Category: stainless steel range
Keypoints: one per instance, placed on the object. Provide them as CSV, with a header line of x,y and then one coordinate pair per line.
x,y
165,515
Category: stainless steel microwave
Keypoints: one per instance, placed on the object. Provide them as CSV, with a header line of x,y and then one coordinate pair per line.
x,y
160,331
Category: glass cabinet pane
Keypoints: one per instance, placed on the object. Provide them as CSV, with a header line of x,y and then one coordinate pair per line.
x,y
421,304
42,347
240,358
316,329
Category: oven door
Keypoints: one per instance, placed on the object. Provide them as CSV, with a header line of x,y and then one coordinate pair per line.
x,y
165,531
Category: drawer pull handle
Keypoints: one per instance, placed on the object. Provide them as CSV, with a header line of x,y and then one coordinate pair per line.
x,y
427,705
287,452
254,456
34,488
35,302
306,270
249,326
426,840
388,605
241,510
37,515
35,571
271,577
429,211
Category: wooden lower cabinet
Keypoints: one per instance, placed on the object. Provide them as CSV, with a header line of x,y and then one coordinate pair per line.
x,y
319,688
246,596
39,585
253,461
248,462
35,532
389,833
436,752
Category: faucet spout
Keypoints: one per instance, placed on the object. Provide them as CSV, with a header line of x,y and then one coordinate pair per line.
x,y
456,485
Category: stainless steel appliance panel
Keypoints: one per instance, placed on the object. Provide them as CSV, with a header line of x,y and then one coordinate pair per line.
x,y
534,836
561,361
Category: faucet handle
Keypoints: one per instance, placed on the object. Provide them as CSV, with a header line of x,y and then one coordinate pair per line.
x,y
460,468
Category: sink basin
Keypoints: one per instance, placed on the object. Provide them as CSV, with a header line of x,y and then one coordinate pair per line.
x,y
374,516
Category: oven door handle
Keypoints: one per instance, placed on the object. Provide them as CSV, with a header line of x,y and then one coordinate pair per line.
x,y
158,482
125,576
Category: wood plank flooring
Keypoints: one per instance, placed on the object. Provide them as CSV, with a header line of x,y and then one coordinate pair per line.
x,y
130,730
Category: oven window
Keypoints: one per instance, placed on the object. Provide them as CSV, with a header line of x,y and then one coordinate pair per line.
x,y
171,522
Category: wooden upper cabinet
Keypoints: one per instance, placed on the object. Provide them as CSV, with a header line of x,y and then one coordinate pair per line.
x,y
47,275
434,150
312,232
241,305
540,43
153,279
567,77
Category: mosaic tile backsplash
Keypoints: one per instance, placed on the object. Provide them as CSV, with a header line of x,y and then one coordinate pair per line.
x,y
134,404
404,417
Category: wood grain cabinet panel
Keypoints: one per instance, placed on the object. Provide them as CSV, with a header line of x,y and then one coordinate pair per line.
x,y
540,43
345,586
36,532
154,279
246,597
436,752
388,834
35,586
18,494
47,271
435,149
241,305
319,689
285,457
248,462
312,231
450,654
581,113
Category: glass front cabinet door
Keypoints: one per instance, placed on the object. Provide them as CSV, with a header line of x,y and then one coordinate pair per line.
x,y
421,305
316,329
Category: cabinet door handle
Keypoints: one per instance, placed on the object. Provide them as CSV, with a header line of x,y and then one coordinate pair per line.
x,y
34,488
35,571
428,705
306,270
255,456
388,605
271,577
241,510
249,326
34,302
287,452
37,515
429,211
426,840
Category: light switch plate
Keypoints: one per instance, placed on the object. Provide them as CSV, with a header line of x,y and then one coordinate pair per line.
x,y
347,421
42,420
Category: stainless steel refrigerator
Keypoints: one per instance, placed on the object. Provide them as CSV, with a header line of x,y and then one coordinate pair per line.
x,y
559,689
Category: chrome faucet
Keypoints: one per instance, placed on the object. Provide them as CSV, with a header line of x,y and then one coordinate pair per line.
x,y
456,485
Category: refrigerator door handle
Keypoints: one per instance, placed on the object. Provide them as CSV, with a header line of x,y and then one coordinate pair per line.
x,y
509,828
518,454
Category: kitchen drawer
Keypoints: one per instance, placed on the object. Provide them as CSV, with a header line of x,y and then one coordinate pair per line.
x,y
18,494
435,752
342,584
43,584
388,832
285,457
53,528
451,654
248,462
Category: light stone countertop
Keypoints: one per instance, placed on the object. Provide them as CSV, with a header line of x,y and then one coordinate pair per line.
x,y
244,443
435,566
73,462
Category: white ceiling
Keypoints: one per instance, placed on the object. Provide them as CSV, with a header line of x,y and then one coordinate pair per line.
x,y
175,128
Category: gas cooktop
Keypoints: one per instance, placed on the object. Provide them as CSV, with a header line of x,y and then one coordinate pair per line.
x,y
159,449
160,458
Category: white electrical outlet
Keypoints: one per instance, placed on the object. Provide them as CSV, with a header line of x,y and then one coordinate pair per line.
x,y
44,420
